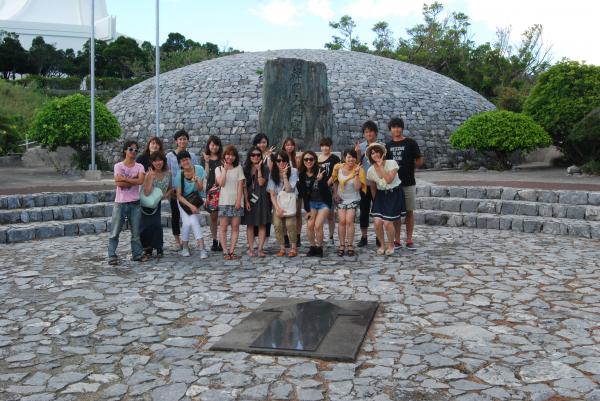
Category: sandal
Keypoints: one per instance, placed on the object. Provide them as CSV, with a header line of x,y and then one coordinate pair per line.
x,y
292,253
389,251
280,253
251,253
340,251
233,256
227,256
261,253
381,251
350,250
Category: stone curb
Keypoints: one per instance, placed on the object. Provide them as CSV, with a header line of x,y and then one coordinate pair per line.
x,y
45,230
527,224
591,198
48,199
508,207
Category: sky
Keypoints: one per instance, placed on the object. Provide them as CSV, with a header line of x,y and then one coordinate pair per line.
x,y
570,27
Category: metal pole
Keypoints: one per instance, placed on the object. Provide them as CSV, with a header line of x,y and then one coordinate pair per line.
x,y
157,70
93,90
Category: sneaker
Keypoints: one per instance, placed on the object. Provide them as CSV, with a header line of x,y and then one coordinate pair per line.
x,y
215,246
397,246
203,254
411,246
362,242
185,252
113,261
312,251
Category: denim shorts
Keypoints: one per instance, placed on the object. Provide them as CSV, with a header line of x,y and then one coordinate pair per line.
x,y
318,205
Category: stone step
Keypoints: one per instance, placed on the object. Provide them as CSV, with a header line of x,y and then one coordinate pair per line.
x,y
527,224
50,199
66,228
591,198
59,213
509,207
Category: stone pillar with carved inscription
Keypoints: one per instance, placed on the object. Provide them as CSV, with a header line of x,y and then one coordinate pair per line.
x,y
296,103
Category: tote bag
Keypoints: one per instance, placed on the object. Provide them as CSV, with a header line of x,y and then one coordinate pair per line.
x,y
287,202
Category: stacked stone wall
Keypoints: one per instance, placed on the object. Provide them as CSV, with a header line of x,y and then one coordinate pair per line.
x,y
223,96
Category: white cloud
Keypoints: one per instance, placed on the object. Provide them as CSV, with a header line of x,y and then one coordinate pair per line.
x,y
571,28
381,9
278,12
320,8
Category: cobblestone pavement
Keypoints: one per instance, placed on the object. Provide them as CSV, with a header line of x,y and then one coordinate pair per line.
x,y
471,315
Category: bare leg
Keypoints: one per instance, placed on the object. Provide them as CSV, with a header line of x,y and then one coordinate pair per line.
x,y
410,225
223,222
250,235
262,238
310,227
342,213
397,228
389,230
319,223
349,226
214,219
331,221
235,232
378,223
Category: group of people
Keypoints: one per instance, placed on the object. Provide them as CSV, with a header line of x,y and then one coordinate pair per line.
x,y
269,187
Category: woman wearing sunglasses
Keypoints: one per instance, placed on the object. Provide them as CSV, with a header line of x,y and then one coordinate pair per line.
x,y
258,205
283,178
316,197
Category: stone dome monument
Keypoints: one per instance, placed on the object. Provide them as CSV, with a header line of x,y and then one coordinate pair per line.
x,y
237,96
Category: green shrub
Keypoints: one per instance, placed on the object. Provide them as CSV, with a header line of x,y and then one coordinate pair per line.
x,y
584,138
55,83
66,122
562,96
500,133
113,84
10,137
591,167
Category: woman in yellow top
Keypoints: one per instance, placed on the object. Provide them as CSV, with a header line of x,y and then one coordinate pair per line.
x,y
348,179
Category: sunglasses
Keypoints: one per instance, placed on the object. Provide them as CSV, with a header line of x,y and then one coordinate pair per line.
x,y
280,161
309,159
134,150
256,155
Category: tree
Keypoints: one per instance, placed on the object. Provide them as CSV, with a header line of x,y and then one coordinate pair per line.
x,y
13,58
584,138
384,42
500,133
562,96
44,59
345,26
175,42
120,54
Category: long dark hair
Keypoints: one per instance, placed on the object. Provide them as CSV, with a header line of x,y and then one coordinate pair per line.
x,y
275,170
293,154
259,137
217,141
315,168
156,139
248,162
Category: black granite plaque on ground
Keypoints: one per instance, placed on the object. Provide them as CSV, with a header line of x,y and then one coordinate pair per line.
x,y
332,329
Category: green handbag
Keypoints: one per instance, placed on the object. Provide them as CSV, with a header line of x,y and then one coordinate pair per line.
x,y
151,201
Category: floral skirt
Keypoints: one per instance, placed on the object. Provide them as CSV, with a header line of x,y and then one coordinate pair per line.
x,y
230,211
